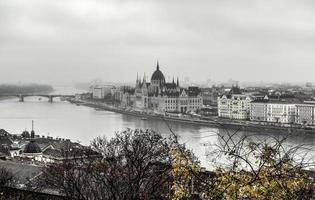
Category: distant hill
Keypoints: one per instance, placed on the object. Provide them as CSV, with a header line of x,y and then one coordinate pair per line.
x,y
25,89
4,133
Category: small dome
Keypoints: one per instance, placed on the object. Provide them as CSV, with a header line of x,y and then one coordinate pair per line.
x,y
158,75
32,147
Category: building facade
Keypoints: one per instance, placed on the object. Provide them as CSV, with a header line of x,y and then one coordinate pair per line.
x,y
272,111
305,114
210,96
258,107
160,96
235,106
102,91
281,112
258,111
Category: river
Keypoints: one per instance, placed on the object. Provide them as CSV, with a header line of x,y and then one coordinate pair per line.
x,y
79,123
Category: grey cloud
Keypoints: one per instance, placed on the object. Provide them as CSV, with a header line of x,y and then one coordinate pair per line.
x,y
85,39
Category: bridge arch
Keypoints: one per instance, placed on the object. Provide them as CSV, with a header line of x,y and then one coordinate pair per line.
x,y
50,97
37,96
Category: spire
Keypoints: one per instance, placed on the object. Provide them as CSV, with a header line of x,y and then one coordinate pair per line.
x,y
173,80
32,132
144,78
137,78
157,65
177,82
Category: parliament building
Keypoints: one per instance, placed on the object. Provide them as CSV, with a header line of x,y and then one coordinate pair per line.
x,y
161,96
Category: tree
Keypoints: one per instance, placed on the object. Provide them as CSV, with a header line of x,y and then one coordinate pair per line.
x,y
184,167
6,177
141,164
257,169
26,134
135,164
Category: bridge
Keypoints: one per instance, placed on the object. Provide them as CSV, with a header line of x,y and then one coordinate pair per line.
x,y
49,96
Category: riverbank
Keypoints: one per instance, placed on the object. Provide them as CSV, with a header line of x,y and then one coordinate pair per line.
x,y
212,121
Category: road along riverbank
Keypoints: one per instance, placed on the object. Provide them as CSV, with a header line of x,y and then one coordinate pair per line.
x,y
212,121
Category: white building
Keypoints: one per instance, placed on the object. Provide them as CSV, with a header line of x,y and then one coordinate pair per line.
x,y
224,107
235,106
258,111
281,112
272,111
185,101
305,113
102,91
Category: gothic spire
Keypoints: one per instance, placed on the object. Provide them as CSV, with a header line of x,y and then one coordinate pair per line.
x,y
157,65
137,78
32,132
177,82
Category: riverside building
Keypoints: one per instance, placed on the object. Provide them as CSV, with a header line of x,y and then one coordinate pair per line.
x,y
235,106
305,113
160,96
281,112
273,111
102,91
258,110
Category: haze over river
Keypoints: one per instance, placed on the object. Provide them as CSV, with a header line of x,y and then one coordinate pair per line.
x,y
80,123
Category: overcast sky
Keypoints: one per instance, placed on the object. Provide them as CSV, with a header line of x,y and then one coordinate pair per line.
x,y
66,41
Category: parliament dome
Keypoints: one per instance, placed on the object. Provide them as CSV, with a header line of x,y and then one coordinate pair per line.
x,y
158,75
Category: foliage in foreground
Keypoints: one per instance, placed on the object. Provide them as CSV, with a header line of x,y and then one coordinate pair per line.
x,y
141,164
135,164
257,170
6,177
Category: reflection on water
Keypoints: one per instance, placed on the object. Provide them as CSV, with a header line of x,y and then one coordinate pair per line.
x,y
80,123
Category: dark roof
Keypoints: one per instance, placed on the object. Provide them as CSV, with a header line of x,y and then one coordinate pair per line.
x,y
158,75
5,141
53,152
273,101
193,91
170,93
260,101
170,85
228,96
32,147
235,90
129,90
